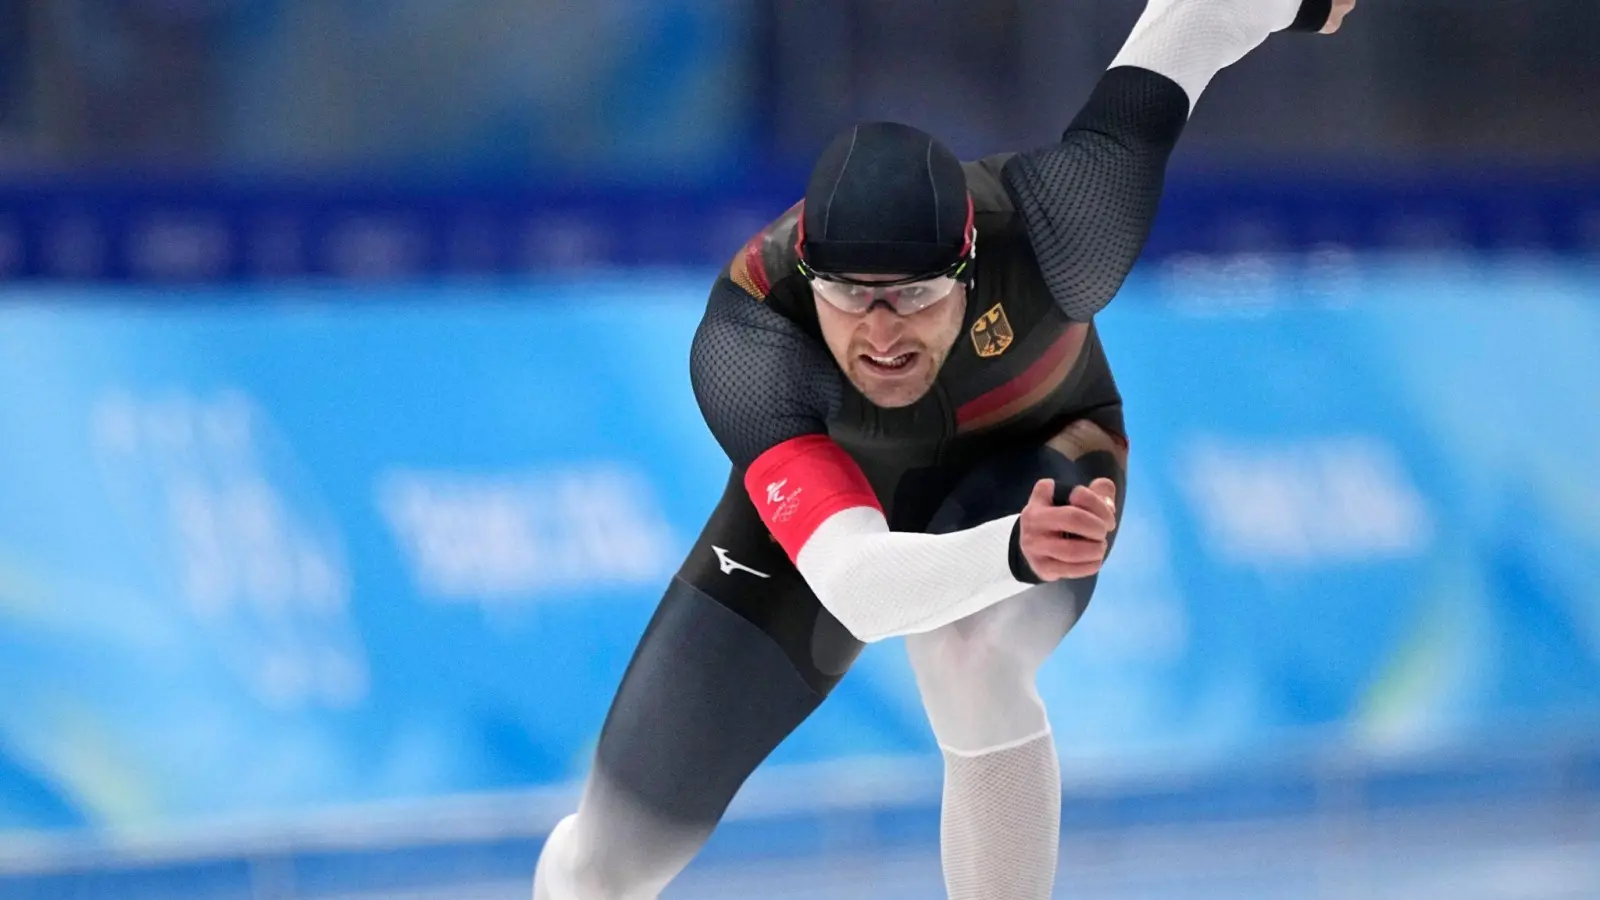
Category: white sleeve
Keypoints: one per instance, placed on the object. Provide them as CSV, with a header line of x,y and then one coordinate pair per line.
x,y
1190,41
882,584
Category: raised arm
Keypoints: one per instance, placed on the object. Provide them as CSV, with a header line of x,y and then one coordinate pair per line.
x,y
1089,201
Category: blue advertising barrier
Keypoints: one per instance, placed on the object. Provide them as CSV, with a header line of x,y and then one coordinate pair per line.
x,y
267,551
207,228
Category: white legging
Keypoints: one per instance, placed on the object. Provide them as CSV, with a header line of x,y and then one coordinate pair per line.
x,y
1000,822
978,675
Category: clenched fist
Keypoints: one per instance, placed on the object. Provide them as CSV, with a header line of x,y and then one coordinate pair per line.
x,y
1068,541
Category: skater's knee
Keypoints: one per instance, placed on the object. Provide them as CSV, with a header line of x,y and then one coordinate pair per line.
x,y
605,857
591,881
588,880
978,676
971,656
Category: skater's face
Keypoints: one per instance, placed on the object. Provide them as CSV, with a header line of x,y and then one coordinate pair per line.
x,y
891,358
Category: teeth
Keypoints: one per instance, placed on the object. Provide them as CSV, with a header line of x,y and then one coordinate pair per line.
x,y
891,362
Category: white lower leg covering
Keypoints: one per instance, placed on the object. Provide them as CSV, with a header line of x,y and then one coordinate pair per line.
x,y
1001,825
613,849
1001,821
553,878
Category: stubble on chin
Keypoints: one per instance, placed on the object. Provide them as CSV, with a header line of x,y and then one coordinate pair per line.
x,y
897,395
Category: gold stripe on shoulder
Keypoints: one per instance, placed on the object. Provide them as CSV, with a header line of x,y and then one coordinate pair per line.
x,y
740,273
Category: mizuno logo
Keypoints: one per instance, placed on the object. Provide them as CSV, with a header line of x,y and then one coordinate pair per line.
x,y
729,566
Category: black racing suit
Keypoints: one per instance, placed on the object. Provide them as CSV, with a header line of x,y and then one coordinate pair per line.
x,y
741,651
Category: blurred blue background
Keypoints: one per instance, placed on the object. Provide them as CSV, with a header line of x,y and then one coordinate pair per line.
x,y
346,444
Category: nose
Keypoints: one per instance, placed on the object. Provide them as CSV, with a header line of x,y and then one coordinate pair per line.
x,y
881,327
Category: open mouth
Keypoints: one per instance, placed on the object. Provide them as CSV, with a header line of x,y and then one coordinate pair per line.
x,y
888,365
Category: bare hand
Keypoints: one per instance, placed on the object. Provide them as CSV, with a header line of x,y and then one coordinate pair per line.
x,y
1068,541
1341,8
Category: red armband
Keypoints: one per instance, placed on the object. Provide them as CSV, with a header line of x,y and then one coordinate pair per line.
x,y
801,482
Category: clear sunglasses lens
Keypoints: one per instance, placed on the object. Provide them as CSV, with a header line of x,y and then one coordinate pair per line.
x,y
904,299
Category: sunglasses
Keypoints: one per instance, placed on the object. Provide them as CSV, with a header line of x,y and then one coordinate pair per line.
x,y
905,296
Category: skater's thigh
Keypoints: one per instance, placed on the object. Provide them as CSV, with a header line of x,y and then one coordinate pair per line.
x,y
738,654
737,563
